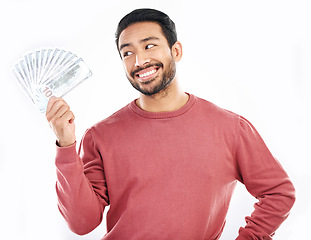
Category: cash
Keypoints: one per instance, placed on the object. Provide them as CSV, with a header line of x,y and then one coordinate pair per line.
x,y
50,72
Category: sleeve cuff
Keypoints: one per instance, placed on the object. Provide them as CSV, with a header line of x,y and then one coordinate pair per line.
x,y
66,154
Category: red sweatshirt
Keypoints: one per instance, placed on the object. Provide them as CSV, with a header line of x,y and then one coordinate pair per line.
x,y
171,175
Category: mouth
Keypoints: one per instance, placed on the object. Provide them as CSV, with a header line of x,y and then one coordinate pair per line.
x,y
147,74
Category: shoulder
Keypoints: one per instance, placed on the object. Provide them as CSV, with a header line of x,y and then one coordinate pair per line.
x,y
119,118
226,119
216,113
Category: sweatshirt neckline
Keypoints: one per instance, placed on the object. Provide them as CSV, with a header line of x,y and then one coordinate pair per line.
x,y
162,115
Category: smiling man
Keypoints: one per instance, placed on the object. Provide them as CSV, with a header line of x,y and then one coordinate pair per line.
x,y
150,65
168,162
143,57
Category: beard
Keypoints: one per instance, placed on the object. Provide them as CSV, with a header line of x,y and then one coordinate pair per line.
x,y
165,80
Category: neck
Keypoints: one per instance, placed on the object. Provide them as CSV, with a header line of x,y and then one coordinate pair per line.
x,y
170,99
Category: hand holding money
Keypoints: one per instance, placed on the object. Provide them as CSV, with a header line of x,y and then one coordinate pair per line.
x,y
61,120
50,72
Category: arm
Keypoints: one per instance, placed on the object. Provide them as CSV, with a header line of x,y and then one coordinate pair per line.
x,y
81,187
266,180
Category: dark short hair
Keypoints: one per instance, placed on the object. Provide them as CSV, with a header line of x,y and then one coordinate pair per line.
x,y
149,15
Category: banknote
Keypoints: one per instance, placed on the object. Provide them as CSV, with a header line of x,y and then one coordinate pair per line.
x,y
50,72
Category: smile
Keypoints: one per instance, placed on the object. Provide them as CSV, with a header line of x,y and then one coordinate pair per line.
x,y
147,74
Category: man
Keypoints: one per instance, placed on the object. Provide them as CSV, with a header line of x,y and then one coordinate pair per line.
x,y
168,162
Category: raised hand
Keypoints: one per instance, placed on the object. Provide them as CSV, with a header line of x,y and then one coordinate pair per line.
x,y
61,120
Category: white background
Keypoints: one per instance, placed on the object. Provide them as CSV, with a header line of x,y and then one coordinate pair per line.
x,y
251,57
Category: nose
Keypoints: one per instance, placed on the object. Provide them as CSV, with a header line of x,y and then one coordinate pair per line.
x,y
141,59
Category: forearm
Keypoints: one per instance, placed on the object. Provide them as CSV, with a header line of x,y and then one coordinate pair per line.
x,y
270,211
272,208
77,200
266,180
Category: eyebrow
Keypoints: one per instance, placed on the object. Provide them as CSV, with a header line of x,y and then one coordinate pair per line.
x,y
141,41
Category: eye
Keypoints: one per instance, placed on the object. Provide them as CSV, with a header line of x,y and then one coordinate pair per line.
x,y
126,54
150,46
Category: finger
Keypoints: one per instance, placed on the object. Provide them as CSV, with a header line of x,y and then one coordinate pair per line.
x,y
54,106
61,111
63,121
52,101
50,104
69,116
60,118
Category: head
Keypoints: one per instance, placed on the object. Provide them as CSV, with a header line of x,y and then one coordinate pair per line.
x,y
148,46
149,15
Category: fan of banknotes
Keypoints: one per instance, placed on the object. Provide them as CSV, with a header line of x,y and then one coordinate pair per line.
x,y
50,72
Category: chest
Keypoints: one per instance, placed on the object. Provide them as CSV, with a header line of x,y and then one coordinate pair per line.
x,y
166,154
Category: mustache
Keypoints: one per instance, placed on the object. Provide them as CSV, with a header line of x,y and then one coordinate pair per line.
x,y
147,66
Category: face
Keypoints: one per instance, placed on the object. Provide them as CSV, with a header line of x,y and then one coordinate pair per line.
x,y
148,60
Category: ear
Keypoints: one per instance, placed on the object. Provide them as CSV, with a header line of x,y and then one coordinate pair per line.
x,y
177,51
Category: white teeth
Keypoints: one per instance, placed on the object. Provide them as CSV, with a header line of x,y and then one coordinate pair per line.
x,y
147,73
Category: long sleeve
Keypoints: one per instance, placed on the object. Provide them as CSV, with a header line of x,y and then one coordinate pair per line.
x,y
150,167
81,187
266,180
